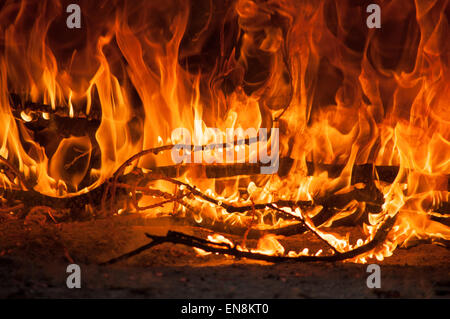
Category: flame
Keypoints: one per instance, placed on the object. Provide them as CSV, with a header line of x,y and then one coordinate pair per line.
x,y
269,245
340,94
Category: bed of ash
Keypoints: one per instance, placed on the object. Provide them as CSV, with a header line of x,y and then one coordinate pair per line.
x,y
34,257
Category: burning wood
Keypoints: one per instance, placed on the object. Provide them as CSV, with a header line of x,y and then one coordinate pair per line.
x,y
330,205
358,122
227,249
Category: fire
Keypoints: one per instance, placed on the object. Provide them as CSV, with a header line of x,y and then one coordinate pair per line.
x,y
341,96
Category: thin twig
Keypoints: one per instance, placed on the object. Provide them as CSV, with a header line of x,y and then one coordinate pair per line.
x,y
156,150
231,208
226,249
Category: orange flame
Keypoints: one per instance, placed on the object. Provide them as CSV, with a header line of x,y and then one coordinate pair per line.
x,y
340,93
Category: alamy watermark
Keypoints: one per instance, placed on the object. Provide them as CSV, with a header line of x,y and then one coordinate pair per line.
x,y
373,280
73,21
74,279
189,150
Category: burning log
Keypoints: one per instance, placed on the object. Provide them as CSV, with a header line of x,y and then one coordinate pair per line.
x,y
365,173
361,173
39,113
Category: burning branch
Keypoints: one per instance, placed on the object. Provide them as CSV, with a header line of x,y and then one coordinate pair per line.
x,y
226,249
35,112
328,203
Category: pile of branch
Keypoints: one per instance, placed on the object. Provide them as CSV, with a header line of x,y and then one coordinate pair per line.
x,y
22,198
227,249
